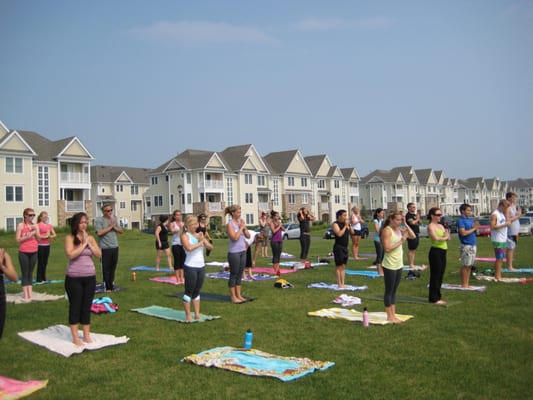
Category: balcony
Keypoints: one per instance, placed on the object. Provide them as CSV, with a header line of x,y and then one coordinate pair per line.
x,y
74,206
211,185
73,178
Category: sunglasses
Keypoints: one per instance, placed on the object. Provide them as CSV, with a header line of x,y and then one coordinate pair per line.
x,y
438,215
30,215
108,210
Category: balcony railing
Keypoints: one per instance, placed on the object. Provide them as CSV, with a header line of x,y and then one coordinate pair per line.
x,y
75,206
211,185
74,177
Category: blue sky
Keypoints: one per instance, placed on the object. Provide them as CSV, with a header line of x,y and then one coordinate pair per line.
x,y
372,84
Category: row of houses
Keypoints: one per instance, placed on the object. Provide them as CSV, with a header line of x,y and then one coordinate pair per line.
x,y
59,177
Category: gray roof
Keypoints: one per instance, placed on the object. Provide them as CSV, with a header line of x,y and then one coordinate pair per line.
x,y
110,174
47,150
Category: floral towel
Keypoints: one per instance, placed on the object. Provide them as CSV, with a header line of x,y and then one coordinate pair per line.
x,y
13,389
257,363
378,318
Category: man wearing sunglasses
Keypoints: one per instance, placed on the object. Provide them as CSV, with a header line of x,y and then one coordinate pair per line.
x,y
107,229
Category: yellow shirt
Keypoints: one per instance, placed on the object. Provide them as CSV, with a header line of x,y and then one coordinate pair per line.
x,y
393,259
439,244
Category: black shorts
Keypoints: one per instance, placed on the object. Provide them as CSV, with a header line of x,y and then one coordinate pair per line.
x,y
357,233
412,244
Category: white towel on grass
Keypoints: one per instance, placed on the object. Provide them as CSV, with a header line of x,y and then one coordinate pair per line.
x,y
57,338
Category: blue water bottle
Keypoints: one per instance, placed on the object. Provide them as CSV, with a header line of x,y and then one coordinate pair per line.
x,y
248,337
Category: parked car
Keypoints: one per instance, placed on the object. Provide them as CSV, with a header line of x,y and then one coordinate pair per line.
x,y
364,232
292,231
484,227
423,231
525,226
449,223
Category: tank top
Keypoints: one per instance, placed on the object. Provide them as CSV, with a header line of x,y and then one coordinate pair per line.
x,y
194,258
345,238
239,245
176,240
440,244
82,266
44,230
393,259
30,245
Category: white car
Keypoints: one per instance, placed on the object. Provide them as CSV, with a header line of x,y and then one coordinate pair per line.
x,y
525,226
291,231
423,231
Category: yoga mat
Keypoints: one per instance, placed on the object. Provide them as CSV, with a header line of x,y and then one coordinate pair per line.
x,y
34,282
166,279
519,271
225,275
334,286
286,255
293,263
376,318
57,338
211,297
406,299
18,298
171,314
488,259
450,286
257,363
368,274
13,389
100,288
152,269
504,280
271,270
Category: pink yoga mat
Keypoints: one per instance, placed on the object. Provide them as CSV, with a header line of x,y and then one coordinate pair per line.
x,y
260,270
166,279
487,259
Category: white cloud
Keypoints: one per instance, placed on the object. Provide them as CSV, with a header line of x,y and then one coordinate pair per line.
x,y
322,24
187,32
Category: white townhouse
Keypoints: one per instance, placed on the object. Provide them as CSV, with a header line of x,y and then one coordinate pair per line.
x,y
524,191
46,175
123,188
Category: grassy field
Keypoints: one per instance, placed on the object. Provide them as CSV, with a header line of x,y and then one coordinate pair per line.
x,y
478,348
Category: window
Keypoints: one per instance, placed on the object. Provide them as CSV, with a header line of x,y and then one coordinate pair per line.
x,y
249,218
133,206
171,199
122,205
248,179
304,182
119,188
154,180
337,199
14,194
290,181
12,222
261,180
43,186
189,178
305,198
291,198
14,165
229,190
158,201
321,184
249,198
336,184
134,189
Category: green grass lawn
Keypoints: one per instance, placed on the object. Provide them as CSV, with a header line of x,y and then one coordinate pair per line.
x,y
478,348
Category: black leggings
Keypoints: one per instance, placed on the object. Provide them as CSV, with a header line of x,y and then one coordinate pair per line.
x,y
109,266
3,307
80,293
43,252
437,266
392,279
194,279
305,244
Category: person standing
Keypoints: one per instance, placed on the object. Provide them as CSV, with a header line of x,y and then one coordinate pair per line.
x,y
498,235
80,280
305,218
412,219
202,227
46,231
355,221
265,233
161,242
6,269
106,230
27,236
378,221
439,237
237,233
193,243
466,229
513,215
392,237
178,252
276,241
342,230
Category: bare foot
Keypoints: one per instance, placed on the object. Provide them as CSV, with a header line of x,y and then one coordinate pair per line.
x,y
77,342
440,303
196,316
511,268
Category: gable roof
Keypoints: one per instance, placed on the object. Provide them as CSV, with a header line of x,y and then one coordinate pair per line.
x,y
52,150
111,174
